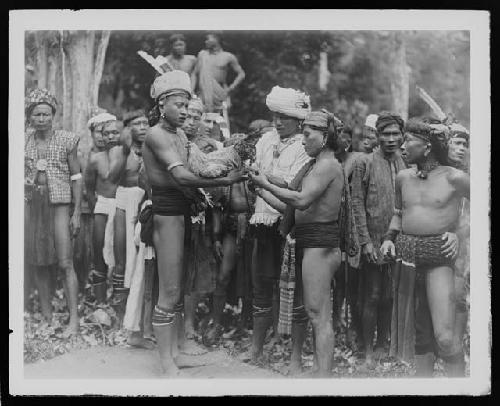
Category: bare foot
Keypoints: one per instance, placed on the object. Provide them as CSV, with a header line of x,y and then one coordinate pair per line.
x,y
137,340
322,374
379,353
169,370
295,368
70,331
190,347
368,365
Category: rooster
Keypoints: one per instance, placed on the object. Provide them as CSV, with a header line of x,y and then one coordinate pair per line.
x,y
239,151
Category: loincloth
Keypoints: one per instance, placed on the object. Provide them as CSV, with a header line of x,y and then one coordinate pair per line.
x,y
128,199
317,235
421,250
169,201
107,206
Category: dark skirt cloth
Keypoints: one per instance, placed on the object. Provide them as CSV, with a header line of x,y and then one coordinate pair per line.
x,y
269,249
39,226
83,249
316,235
240,284
169,201
201,271
415,254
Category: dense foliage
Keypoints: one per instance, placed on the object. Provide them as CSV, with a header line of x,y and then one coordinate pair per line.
x,y
359,62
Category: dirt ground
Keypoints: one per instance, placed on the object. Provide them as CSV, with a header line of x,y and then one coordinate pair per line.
x,y
132,363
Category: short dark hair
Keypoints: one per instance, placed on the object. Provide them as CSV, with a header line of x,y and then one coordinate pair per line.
x,y
216,34
177,37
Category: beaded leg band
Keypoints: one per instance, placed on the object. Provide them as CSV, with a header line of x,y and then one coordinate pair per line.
x,y
96,278
262,311
179,307
162,317
299,315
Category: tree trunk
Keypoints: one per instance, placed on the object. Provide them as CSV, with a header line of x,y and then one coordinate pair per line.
x,y
70,65
400,77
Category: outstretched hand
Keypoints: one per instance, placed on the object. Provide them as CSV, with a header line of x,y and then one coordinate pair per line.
x,y
236,175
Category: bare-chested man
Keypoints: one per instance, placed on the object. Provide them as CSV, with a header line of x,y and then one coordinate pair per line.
x,y
233,244
210,74
165,157
101,197
427,204
125,164
316,200
177,57
52,182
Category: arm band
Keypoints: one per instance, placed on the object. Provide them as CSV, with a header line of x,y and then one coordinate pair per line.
x,y
173,165
76,176
391,235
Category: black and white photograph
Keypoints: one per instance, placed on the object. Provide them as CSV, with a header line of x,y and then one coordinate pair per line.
x,y
249,202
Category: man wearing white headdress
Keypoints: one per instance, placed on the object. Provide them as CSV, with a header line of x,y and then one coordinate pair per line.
x,y
370,140
172,195
280,155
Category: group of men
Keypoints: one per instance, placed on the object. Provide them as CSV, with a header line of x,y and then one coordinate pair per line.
x,y
382,227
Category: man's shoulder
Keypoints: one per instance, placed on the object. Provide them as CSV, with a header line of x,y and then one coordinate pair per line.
x,y
405,174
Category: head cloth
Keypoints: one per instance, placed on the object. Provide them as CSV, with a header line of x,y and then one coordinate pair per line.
x,y
386,119
170,83
40,96
289,102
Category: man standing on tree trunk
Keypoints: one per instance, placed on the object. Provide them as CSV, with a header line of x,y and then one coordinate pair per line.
x,y
165,160
210,74
421,234
52,179
177,58
373,182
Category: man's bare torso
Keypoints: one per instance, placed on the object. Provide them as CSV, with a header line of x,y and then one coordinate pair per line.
x,y
156,173
130,176
218,64
186,63
100,163
326,207
239,202
430,206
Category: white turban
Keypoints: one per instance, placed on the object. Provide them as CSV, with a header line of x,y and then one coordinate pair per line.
x,y
99,119
371,121
289,102
171,82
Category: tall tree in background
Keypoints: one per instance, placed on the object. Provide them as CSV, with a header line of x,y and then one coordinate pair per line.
x,y
400,83
70,65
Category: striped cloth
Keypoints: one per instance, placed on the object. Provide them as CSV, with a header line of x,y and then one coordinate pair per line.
x,y
287,288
